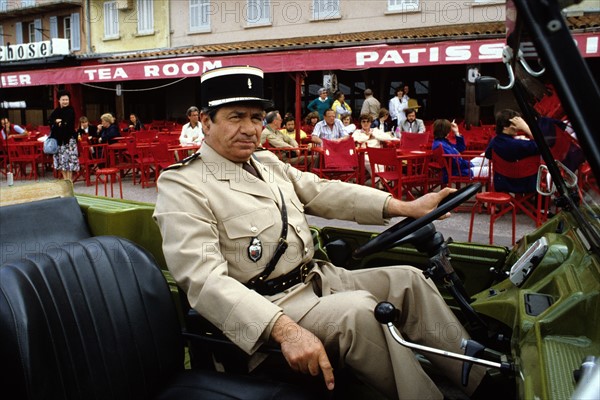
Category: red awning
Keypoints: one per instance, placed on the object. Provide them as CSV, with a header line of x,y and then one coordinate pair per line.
x,y
362,57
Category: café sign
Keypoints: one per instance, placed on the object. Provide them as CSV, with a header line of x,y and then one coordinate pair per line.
x,y
34,50
359,57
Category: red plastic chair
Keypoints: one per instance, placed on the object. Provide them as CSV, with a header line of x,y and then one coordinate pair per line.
x,y
446,162
413,141
24,153
491,199
338,160
523,201
91,157
300,157
162,158
401,175
141,160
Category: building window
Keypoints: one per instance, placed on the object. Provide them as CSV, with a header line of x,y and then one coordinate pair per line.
x,y
3,5
27,3
326,9
1,35
199,15
67,28
403,5
31,32
111,20
145,16
259,12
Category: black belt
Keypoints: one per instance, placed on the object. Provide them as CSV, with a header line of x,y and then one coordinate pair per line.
x,y
279,284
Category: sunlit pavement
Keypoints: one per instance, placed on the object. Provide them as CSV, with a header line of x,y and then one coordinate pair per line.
x,y
456,227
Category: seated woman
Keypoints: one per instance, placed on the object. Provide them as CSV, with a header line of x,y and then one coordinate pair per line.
x,y
87,131
310,121
349,127
135,124
441,130
369,137
382,121
108,130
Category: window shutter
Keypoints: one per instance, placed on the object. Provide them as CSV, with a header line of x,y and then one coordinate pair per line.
x,y
53,27
75,32
19,32
37,24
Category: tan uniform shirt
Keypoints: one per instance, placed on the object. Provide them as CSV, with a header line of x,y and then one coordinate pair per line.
x,y
209,211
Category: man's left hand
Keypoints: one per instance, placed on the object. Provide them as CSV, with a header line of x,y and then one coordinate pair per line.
x,y
419,207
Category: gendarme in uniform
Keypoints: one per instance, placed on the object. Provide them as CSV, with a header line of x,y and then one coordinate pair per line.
x,y
222,226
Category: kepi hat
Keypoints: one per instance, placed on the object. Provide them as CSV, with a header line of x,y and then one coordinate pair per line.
x,y
228,85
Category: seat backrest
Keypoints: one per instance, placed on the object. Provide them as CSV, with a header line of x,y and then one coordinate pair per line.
x,y
386,157
161,154
40,226
413,141
516,169
340,154
95,319
562,144
91,153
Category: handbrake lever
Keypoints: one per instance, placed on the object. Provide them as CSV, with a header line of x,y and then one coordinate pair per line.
x,y
386,313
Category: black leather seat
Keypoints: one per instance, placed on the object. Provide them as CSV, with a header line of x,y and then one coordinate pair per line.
x,y
40,226
95,320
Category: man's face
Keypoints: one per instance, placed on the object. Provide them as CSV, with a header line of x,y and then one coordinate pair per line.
x,y
277,122
406,89
85,124
411,117
324,94
5,122
329,117
235,131
290,126
193,117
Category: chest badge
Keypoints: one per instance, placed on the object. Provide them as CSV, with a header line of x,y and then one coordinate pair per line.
x,y
255,249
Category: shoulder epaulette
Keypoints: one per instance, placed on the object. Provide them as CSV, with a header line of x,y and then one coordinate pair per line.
x,y
183,162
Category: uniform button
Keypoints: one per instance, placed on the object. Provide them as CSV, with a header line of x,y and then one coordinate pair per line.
x,y
298,229
254,229
306,250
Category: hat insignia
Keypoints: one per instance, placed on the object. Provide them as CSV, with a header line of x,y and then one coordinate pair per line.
x,y
255,249
249,84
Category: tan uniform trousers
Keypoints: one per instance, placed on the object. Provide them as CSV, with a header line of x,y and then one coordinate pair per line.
x,y
344,320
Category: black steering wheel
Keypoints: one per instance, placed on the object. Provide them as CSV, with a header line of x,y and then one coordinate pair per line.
x,y
393,234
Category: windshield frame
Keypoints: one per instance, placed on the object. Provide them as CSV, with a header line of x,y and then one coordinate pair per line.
x,y
573,81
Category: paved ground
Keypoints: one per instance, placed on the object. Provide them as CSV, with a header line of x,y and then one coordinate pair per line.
x,y
456,227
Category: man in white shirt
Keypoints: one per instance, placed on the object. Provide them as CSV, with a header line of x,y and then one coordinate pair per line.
x,y
397,105
192,131
330,128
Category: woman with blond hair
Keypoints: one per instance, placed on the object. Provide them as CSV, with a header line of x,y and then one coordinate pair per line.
x,y
107,129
